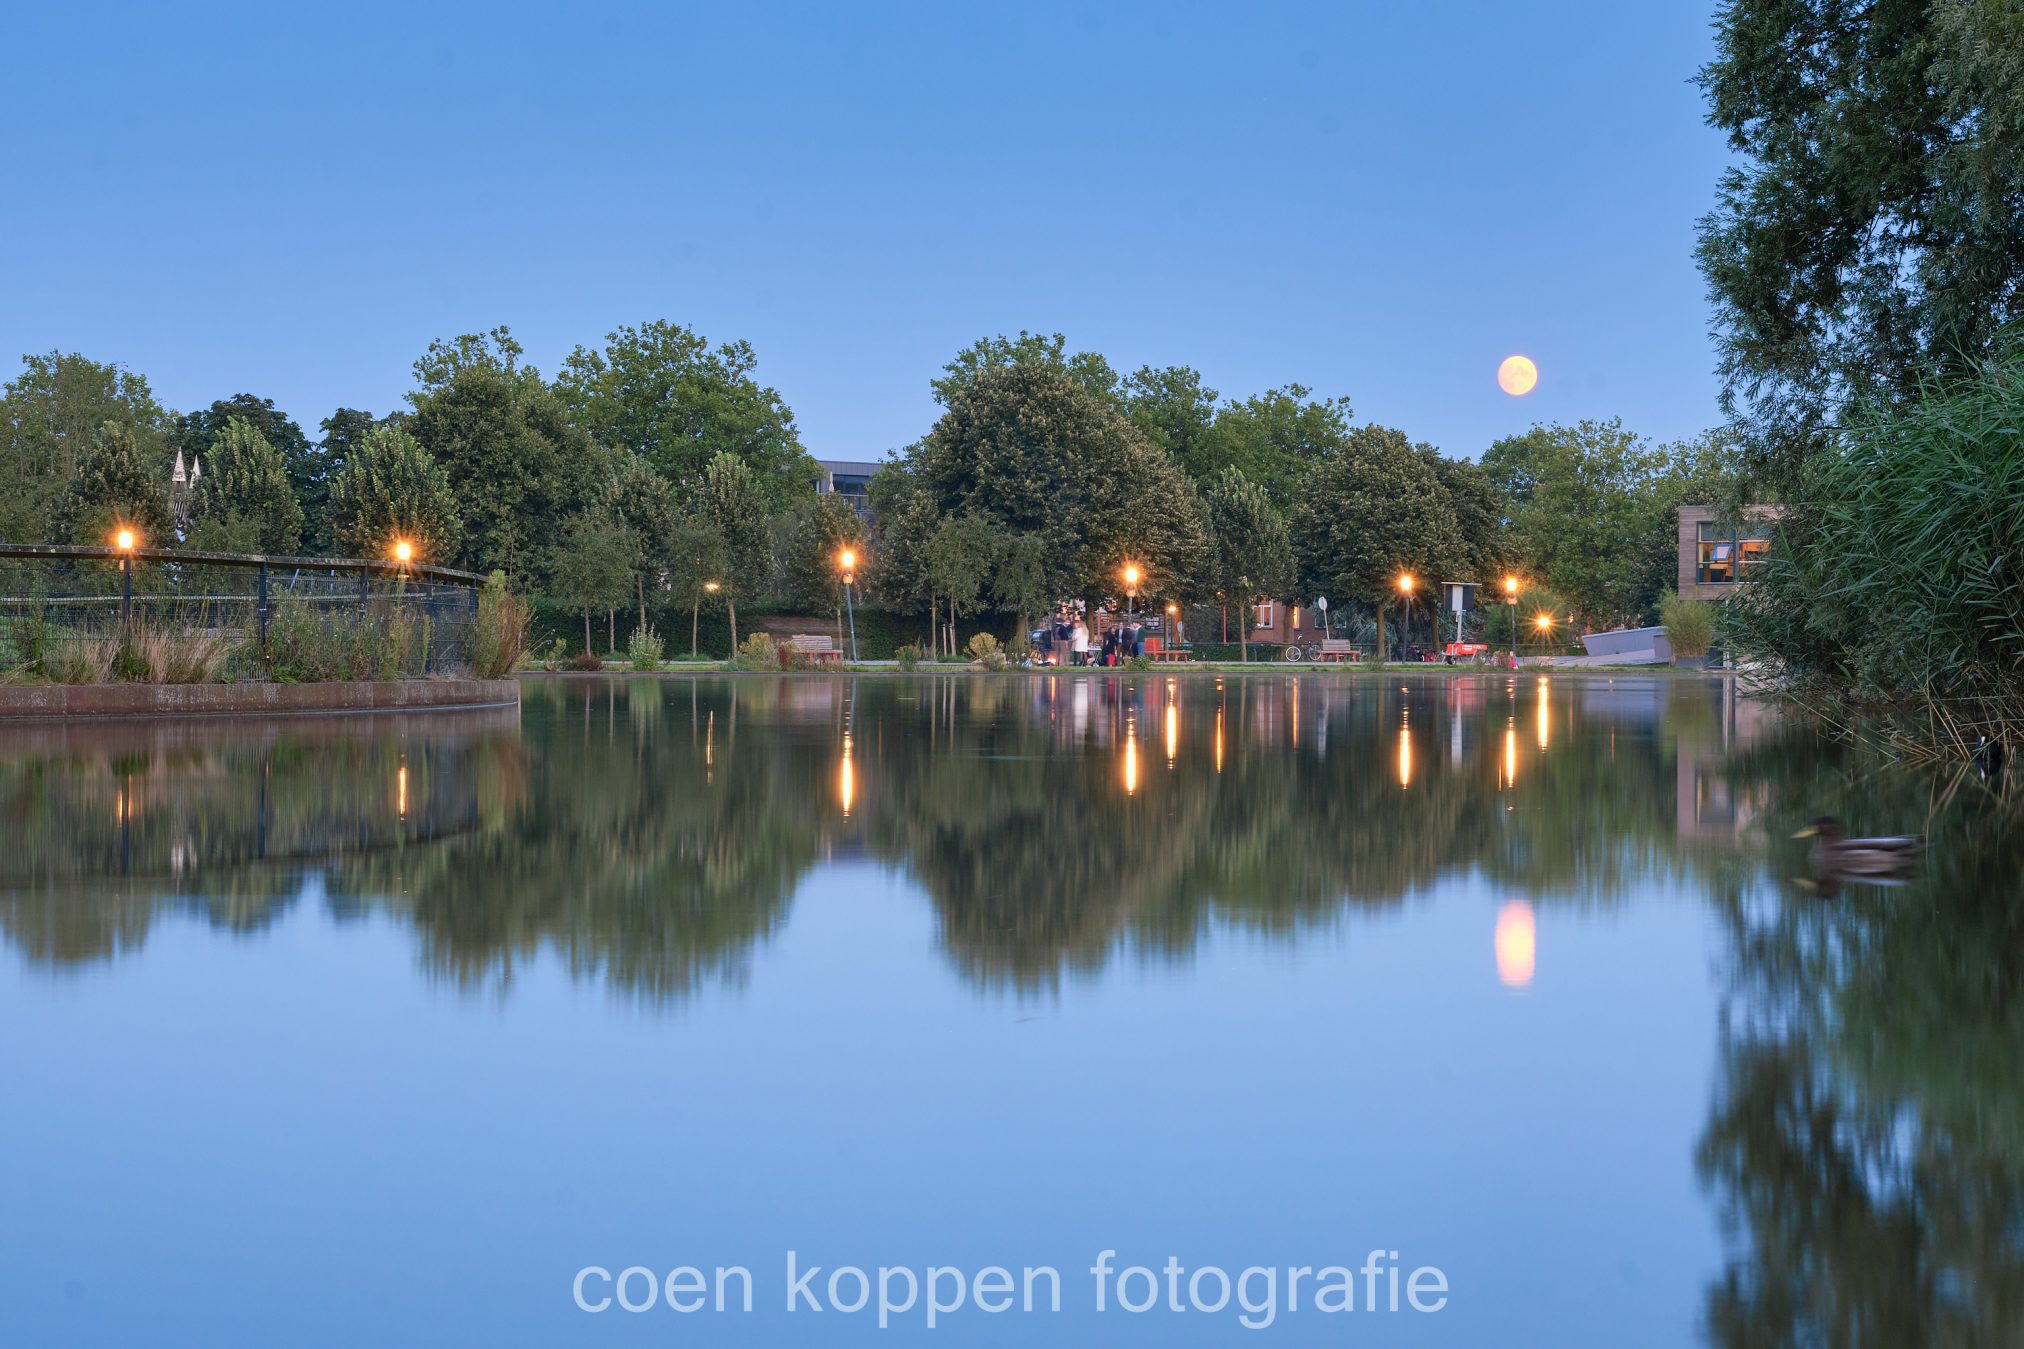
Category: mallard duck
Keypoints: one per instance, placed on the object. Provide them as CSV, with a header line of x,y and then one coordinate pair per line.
x,y
1835,857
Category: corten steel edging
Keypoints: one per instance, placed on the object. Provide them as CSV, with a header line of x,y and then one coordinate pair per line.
x,y
95,553
28,702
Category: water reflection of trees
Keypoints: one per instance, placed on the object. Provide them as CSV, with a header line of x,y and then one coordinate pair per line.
x,y
1867,1138
653,831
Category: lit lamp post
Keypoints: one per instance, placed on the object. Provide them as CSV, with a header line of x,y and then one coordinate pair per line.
x,y
1131,585
1545,625
125,541
1511,601
695,611
1406,628
1173,625
847,560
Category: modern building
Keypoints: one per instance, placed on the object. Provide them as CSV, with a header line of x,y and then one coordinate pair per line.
x,y
1716,557
849,479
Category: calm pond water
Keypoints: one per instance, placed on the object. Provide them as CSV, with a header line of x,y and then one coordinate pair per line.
x,y
377,1032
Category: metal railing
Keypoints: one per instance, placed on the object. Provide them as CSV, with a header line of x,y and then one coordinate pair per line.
x,y
77,592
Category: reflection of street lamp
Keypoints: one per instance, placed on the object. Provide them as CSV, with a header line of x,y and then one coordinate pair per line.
x,y
1406,626
847,561
125,541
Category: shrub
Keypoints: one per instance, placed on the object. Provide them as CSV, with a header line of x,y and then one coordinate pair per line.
x,y
1689,624
757,652
499,633
983,645
1139,663
645,649
585,662
307,644
908,655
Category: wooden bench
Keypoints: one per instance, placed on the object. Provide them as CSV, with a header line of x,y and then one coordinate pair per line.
x,y
1337,648
821,650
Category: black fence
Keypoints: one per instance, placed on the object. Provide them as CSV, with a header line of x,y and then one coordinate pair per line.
x,y
68,594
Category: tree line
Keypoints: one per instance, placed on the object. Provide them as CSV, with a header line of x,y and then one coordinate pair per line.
x,y
655,473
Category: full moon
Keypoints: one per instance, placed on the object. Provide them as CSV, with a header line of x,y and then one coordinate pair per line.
x,y
1517,375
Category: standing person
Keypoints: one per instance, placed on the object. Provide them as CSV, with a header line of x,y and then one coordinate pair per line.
x,y
1138,639
1078,643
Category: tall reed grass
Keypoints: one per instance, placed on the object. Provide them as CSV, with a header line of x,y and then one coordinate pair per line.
x,y
1893,597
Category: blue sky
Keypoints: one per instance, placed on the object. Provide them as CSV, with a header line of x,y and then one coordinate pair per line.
x,y
1373,199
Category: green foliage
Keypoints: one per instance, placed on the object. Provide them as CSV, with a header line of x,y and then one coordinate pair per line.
x,y
593,566
310,643
638,500
1689,624
661,392
909,656
499,633
49,416
731,506
988,355
116,483
645,650
1030,450
1872,236
1372,513
1896,579
197,436
1174,411
982,645
391,488
1275,437
1594,510
516,465
819,528
758,653
245,489
1251,550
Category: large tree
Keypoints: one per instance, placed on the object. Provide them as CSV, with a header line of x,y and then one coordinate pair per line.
x,y
197,435
1873,234
344,432
1174,410
663,392
1371,514
731,505
1252,552
1593,510
391,488
245,501
819,529
640,501
116,483
593,566
517,464
1047,351
1275,437
49,415
1033,449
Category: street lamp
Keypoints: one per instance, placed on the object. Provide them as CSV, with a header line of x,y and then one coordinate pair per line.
x,y
847,562
1511,599
404,552
1173,625
1545,625
1131,584
1406,593
125,541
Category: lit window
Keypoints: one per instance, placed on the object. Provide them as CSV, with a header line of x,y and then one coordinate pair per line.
x,y
1262,615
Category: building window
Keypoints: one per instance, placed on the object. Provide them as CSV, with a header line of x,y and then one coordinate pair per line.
x,y
1717,555
1262,614
1727,556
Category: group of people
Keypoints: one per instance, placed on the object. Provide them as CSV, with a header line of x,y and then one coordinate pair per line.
x,y
1065,640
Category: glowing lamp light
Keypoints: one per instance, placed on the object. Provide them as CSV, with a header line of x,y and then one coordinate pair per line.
x,y
1406,585
124,540
847,560
1517,944
711,586
1510,585
404,552
1543,622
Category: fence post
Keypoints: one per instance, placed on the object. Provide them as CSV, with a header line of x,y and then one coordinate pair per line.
x,y
263,604
364,587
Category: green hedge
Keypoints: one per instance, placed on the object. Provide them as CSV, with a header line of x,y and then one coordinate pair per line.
x,y
879,633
